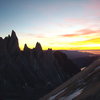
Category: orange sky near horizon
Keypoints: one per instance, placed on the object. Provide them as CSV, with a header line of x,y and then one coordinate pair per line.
x,y
85,39
56,24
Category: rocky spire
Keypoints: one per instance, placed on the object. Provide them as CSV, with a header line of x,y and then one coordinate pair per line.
x,y
12,43
38,47
26,47
13,34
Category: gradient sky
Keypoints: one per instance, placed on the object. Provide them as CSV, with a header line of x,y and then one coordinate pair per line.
x,y
57,24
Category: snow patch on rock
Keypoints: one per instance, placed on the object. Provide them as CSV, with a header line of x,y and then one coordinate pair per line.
x,y
53,97
73,95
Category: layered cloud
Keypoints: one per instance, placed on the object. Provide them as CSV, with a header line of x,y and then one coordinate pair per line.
x,y
63,24
82,32
80,40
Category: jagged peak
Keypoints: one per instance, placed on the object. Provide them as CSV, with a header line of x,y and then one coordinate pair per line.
x,y
26,47
8,36
13,34
38,46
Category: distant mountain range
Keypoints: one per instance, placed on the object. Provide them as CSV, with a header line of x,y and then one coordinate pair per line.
x,y
81,59
31,73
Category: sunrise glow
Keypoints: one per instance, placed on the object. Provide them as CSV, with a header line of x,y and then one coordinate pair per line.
x,y
88,40
56,24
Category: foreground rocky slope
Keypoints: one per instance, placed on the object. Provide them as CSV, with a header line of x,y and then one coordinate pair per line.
x,y
83,86
31,73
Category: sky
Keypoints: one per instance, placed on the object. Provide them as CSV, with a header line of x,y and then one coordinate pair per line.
x,y
56,24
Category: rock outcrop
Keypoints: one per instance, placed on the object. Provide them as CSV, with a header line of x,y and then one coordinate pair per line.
x,y
11,43
83,86
31,73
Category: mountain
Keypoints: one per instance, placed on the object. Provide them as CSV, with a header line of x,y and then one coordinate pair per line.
x,y
81,59
74,54
31,73
83,86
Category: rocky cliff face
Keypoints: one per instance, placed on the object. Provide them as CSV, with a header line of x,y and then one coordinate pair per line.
x,y
83,86
31,73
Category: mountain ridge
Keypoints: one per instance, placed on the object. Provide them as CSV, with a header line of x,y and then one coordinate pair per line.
x,y
31,73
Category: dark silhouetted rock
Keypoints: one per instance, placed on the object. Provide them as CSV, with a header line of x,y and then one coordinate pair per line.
x,y
11,44
26,48
83,86
38,47
66,64
31,73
